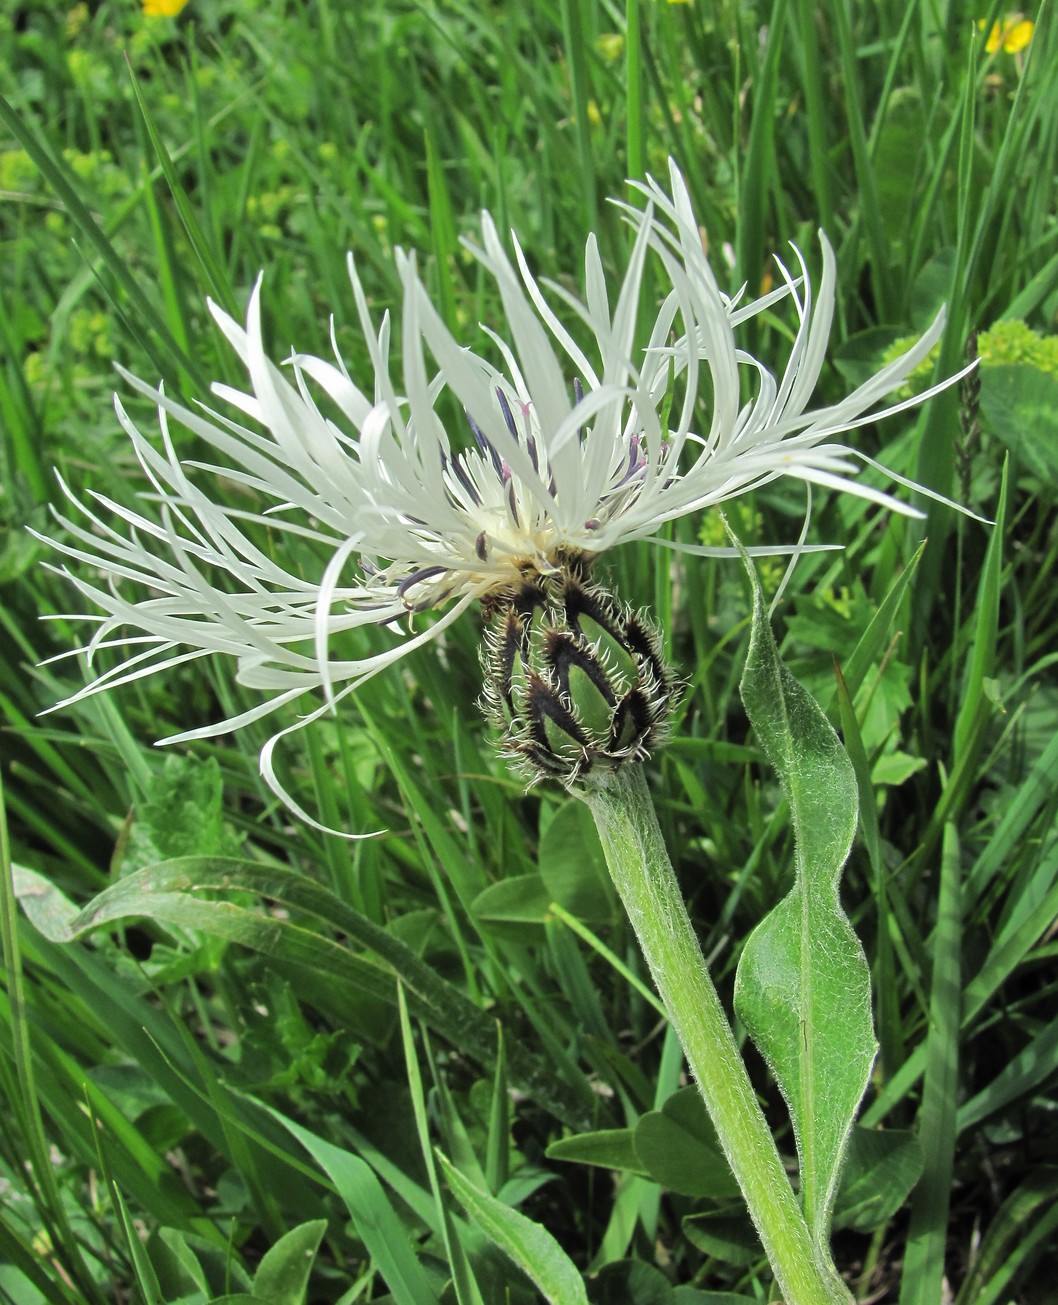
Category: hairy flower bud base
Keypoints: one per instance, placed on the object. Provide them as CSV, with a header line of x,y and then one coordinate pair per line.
x,y
574,680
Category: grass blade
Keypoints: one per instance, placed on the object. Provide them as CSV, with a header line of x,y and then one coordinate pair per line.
x,y
924,1258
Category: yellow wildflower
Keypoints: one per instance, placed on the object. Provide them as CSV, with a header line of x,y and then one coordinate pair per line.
x,y
162,8
1012,35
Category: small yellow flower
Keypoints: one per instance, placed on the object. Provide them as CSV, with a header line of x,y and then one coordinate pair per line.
x,y
162,8
1012,35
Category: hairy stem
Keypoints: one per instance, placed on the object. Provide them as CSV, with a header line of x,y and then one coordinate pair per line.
x,y
642,873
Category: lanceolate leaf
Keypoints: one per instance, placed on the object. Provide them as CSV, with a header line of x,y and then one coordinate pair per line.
x,y
803,985
175,892
528,1244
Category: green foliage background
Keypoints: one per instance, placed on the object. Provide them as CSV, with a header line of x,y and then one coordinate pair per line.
x,y
201,1098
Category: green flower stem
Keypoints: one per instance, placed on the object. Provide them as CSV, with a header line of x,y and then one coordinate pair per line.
x,y
642,873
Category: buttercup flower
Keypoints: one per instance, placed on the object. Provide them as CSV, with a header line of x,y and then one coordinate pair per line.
x,y
567,451
1012,35
163,8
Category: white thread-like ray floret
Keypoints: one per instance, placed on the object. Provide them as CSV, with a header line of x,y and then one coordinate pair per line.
x,y
567,452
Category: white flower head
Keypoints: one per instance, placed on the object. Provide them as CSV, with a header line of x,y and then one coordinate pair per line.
x,y
567,451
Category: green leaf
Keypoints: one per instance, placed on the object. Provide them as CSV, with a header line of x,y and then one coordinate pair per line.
x,y
464,1283
241,1298
1026,1219
217,278
388,1242
573,867
1019,405
803,984
687,1295
282,1277
529,1245
631,1282
609,1148
679,1148
177,1268
727,1237
880,1170
518,901
164,892
498,1142
899,138
182,814
924,1258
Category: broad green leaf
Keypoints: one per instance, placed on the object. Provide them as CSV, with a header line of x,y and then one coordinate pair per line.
x,y
609,1148
1019,405
803,985
518,901
631,1282
573,867
282,1277
880,1170
679,1149
529,1245
191,1268
15,1286
728,1237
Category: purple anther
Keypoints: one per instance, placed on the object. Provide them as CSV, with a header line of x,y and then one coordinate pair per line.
x,y
427,603
477,432
512,503
505,408
417,577
530,439
463,476
481,547
485,444
636,460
